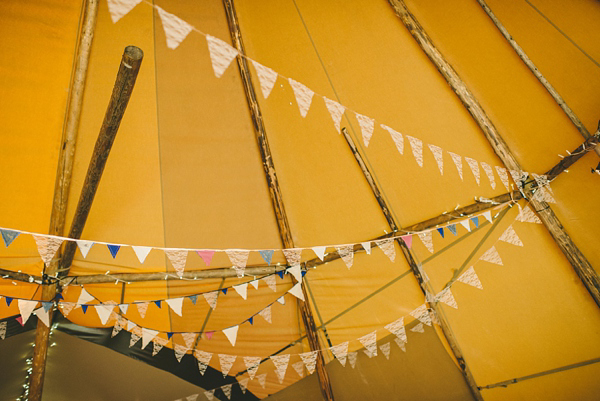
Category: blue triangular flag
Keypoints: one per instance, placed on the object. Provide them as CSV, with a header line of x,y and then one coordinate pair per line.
x,y
8,300
169,335
452,228
47,306
281,273
303,273
475,221
113,249
267,255
224,291
9,236
251,319
441,231
157,303
84,308
58,297
193,298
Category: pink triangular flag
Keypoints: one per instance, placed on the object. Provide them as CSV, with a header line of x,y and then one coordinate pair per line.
x,y
206,256
407,240
43,316
271,282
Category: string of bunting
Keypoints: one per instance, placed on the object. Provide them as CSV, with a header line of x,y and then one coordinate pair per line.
x,y
222,54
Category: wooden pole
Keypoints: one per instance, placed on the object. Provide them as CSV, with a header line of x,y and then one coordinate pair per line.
x,y
580,264
274,189
425,286
130,64
523,56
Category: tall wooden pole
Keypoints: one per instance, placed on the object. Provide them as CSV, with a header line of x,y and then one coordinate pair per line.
x,y
128,70
580,264
274,189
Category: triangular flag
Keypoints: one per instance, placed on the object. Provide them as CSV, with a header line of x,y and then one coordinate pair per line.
x,y
527,216
158,303
492,256
8,300
147,336
262,379
441,231
407,240
346,252
254,283
20,320
119,8
179,351
84,297
142,308
336,111
266,313
417,149
367,247
387,246
369,341
252,363
209,334
490,174
281,273
84,308
310,360
367,125
340,352
470,277
438,155
475,221
193,298
422,314
43,315
457,159
271,282
67,307
203,360
130,325
474,165
267,255
210,394
385,348
296,271
419,328
238,257
488,215
519,177
211,298
299,368
176,304
296,291
8,236
446,297
251,320
319,251
303,96
397,329
221,54
114,249
396,137
244,384
206,256
231,334
189,338
84,247
266,77
352,357
452,228
175,28
141,252
281,364
192,397
178,258
400,343
510,236
104,311
226,388
503,174
466,225
427,240
241,289
47,306
293,256
226,362
3,330
47,247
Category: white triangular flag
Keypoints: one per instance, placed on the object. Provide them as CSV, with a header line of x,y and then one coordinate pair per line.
x,y
241,289
526,215
176,304
84,297
340,352
104,311
397,329
296,291
142,308
396,137
211,298
367,125
492,256
419,328
179,351
244,384
387,246
510,236
474,165
299,368
470,277
303,96
226,362
488,215
367,247
503,174
296,271
271,282
466,224
266,313
336,111
346,252
119,8
438,155
457,159
490,174
47,247
262,379
226,388
369,341
281,364
43,315
252,363
319,251
175,28
266,77
417,149
141,252
84,247
177,258
254,283
352,357
446,297
203,359
422,314
210,394
310,360
231,333
147,336
427,240
385,348
130,325
238,257
123,308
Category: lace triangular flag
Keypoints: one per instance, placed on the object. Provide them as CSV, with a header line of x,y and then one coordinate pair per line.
x,y
369,341
319,251
193,397
262,379
397,329
492,256
526,215
271,282
303,96
241,289
519,177
226,362
296,291
147,336
244,385
175,28
385,348
238,257
221,54
474,165
104,311
179,351
266,77
422,314
457,159
266,313
503,174
281,364
340,352
47,247
299,368
117,327
510,236
226,388
336,111
142,308
400,343
189,338
427,240
310,360
470,277
438,155
157,344
177,258
231,334
346,252
119,8
446,297
203,359
352,357
252,363
396,137
3,330
210,394
367,125
417,149
419,328
293,256
175,304
134,339
387,246
84,247
490,174
211,298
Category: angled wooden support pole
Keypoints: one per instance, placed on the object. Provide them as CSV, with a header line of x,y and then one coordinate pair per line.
x,y
581,265
274,189
130,64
